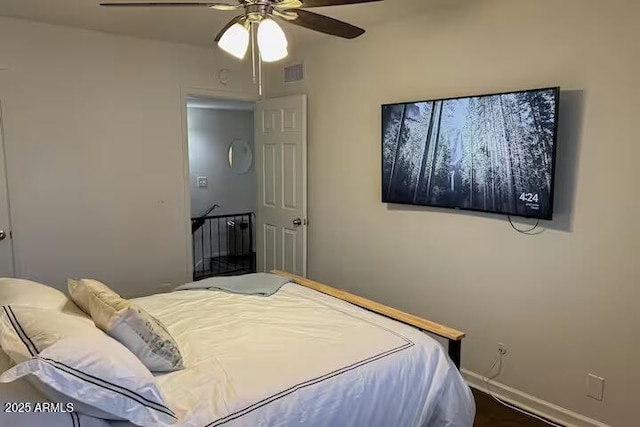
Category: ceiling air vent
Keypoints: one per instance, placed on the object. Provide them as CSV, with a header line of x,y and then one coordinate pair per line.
x,y
294,73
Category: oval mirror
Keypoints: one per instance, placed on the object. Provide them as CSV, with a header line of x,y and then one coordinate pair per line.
x,y
240,156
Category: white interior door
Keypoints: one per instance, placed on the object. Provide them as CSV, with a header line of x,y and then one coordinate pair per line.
x,y
281,166
6,249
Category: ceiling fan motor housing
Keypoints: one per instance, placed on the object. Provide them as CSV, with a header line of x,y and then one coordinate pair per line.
x,y
256,12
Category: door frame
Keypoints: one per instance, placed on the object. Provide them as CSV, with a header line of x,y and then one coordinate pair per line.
x,y
185,93
3,159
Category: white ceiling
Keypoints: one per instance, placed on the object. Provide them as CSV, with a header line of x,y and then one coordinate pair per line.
x,y
191,25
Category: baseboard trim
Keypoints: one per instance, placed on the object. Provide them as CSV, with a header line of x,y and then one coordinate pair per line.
x,y
530,403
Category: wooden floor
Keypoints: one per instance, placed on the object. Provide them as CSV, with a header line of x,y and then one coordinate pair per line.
x,y
490,413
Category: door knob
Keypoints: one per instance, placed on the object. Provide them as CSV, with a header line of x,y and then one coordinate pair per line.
x,y
3,235
298,222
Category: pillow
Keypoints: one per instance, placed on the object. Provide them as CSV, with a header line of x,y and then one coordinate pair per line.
x,y
125,321
31,294
20,392
24,331
95,373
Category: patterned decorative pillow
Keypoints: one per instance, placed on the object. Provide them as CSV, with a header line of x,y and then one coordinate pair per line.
x,y
144,335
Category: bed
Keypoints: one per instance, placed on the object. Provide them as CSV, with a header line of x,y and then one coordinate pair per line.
x,y
307,355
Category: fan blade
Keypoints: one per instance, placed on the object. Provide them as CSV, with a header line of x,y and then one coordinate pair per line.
x,y
321,3
238,19
326,25
217,6
286,14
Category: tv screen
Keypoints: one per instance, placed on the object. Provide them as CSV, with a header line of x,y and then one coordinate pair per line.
x,y
491,153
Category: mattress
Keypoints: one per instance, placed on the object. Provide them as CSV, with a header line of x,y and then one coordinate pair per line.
x,y
302,358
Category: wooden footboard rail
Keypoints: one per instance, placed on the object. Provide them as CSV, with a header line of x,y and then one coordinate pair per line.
x,y
453,336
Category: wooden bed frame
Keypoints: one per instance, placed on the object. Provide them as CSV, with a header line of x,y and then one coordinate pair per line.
x,y
453,336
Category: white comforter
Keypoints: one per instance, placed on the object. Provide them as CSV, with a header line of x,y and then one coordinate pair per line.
x,y
301,358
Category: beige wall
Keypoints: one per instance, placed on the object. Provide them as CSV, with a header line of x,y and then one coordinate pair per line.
x,y
94,151
566,301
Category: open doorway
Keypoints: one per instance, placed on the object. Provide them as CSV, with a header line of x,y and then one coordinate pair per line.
x,y
220,135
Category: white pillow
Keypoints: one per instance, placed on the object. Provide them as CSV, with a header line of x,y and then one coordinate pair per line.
x,y
31,294
125,321
20,392
25,331
79,369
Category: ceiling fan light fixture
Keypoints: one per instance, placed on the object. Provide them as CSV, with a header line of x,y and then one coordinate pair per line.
x,y
272,41
235,41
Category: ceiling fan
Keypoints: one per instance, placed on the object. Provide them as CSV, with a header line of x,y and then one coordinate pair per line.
x,y
234,37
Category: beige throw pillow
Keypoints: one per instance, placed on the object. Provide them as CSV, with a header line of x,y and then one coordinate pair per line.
x,y
144,335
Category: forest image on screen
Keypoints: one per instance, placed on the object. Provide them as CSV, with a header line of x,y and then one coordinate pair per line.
x,y
490,153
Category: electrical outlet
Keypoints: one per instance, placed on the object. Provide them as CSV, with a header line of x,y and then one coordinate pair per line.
x,y
595,387
502,348
203,182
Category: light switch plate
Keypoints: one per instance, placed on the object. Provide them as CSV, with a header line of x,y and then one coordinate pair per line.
x,y
203,182
595,387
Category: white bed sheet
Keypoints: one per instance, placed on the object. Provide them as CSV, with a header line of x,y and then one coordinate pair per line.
x,y
301,358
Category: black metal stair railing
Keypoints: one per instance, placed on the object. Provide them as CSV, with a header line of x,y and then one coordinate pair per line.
x,y
198,222
223,245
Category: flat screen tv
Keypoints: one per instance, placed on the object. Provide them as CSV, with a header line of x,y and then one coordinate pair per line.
x,y
491,153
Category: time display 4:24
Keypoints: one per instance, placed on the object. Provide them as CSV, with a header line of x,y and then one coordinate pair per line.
x,y
529,197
